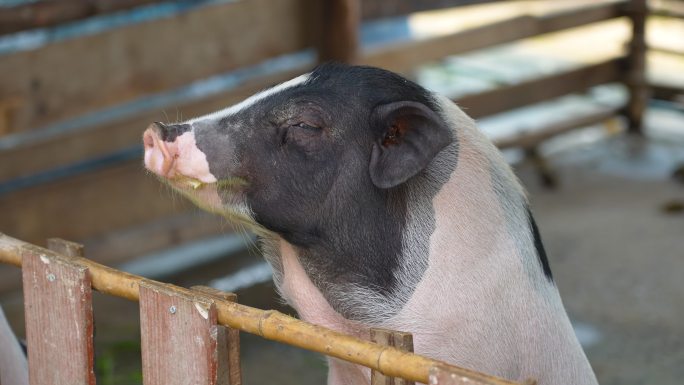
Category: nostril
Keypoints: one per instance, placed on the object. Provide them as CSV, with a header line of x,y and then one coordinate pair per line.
x,y
148,139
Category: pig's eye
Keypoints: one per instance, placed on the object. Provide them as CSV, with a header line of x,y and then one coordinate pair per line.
x,y
306,126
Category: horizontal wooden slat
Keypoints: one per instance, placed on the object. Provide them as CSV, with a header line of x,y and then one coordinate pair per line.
x,y
78,146
88,205
118,246
71,77
668,92
376,9
41,14
541,89
536,136
403,57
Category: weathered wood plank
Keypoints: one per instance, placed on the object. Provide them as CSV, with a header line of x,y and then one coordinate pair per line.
x,y
59,319
72,147
541,89
403,57
70,77
42,14
229,370
115,247
178,336
88,205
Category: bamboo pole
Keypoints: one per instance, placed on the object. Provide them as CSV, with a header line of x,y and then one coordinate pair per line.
x,y
269,324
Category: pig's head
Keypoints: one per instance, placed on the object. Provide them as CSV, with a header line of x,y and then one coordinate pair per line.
x,y
323,161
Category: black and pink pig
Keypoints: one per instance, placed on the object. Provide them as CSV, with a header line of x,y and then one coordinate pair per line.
x,y
379,204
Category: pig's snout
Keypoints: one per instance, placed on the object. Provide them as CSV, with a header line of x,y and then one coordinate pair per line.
x,y
159,157
171,151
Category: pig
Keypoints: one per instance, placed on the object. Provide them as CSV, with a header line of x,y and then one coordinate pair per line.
x,y
13,363
379,204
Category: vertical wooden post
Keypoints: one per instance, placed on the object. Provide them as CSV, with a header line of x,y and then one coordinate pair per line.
x,y
339,37
229,371
399,340
59,316
635,77
178,335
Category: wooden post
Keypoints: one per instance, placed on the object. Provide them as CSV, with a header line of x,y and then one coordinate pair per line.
x,y
339,37
635,77
399,340
178,336
229,371
59,316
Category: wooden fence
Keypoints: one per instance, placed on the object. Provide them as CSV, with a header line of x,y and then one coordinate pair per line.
x,y
85,181
188,336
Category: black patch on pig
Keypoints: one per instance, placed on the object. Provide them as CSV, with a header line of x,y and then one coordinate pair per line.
x,y
539,246
170,132
305,153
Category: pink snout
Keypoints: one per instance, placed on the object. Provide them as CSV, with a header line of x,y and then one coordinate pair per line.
x,y
178,155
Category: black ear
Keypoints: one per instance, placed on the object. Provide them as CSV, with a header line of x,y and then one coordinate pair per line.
x,y
409,136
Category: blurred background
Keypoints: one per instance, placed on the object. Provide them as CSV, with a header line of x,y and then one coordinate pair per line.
x,y
585,98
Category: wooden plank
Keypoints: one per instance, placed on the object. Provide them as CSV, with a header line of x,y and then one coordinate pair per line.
x,y
534,137
178,336
41,14
71,77
668,92
64,247
59,319
404,57
400,340
339,37
115,247
229,370
376,9
540,89
89,205
31,157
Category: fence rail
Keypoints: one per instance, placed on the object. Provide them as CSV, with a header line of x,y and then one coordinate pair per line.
x,y
53,280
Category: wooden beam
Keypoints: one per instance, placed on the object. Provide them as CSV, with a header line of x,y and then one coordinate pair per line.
x,y
76,146
635,71
404,57
668,92
41,14
121,245
533,138
67,78
89,205
339,37
377,9
541,89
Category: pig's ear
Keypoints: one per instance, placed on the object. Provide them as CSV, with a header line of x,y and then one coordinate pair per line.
x,y
409,136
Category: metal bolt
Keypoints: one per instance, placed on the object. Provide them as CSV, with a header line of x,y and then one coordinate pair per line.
x,y
51,277
172,309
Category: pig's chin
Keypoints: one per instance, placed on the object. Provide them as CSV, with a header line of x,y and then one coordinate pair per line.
x,y
224,197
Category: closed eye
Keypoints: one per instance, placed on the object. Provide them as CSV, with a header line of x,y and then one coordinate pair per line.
x,y
306,126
